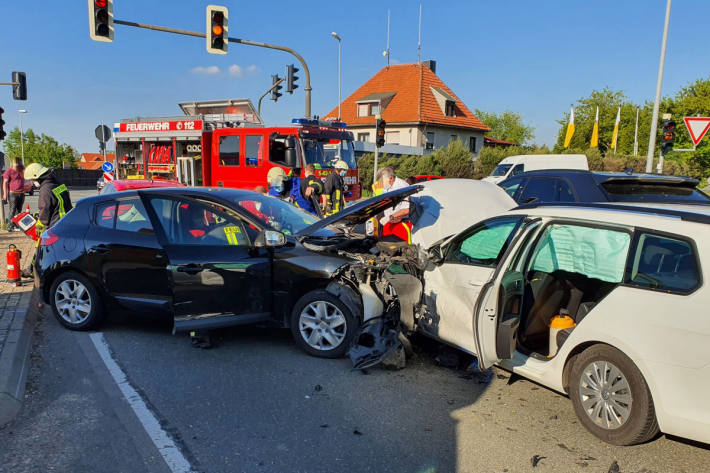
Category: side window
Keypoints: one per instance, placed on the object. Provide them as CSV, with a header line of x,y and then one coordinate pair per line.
x,y
105,214
253,150
484,244
539,189
565,191
190,222
511,186
598,253
229,150
131,216
519,168
664,263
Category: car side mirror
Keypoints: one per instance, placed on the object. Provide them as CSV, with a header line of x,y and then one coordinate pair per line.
x,y
270,239
435,254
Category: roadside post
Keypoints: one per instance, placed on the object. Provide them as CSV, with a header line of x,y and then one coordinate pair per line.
x,y
107,168
103,133
379,142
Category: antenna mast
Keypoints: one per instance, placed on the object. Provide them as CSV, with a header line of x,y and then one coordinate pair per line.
x,y
387,51
419,43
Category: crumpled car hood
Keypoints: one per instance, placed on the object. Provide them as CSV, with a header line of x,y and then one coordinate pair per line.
x,y
446,207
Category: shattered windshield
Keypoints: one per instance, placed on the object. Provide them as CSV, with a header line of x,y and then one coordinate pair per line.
x,y
325,152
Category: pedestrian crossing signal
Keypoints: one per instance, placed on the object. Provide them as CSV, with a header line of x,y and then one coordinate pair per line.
x,y
101,20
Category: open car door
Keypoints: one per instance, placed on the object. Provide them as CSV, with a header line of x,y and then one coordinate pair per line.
x,y
496,316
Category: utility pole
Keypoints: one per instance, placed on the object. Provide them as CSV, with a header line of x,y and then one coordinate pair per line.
x,y
636,134
22,136
657,101
275,84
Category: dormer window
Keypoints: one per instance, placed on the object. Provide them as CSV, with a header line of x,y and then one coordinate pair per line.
x,y
446,102
450,109
373,104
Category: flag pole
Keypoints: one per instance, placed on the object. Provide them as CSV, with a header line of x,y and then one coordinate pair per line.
x,y
636,134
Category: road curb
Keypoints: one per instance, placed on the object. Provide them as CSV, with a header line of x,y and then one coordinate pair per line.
x,y
14,358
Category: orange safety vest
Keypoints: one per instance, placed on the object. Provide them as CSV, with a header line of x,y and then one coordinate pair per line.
x,y
401,230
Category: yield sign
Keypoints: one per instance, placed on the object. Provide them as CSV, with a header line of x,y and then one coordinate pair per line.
x,y
697,127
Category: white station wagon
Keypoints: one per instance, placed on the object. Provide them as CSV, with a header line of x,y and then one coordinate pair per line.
x,y
605,303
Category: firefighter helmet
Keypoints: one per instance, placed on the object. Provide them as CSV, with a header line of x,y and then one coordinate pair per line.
x,y
275,174
340,164
34,171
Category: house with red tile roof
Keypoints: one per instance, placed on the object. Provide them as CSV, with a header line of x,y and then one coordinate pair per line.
x,y
93,161
419,108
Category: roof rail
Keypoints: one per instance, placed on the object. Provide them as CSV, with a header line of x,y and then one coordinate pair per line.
x,y
666,212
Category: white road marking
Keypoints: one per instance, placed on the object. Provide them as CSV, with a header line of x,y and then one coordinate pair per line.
x,y
162,441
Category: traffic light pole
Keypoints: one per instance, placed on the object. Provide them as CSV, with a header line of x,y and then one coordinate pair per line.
x,y
276,84
307,89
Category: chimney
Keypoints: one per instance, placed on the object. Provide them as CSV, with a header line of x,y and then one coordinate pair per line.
x,y
431,64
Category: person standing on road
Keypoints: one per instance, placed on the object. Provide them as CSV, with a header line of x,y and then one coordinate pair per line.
x,y
53,201
13,189
395,223
335,188
307,194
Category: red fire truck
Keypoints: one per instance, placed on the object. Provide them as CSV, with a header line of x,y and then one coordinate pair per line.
x,y
224,143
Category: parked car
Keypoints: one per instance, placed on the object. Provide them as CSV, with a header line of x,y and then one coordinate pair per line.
x,y
426,177
514,165
562,185
118,185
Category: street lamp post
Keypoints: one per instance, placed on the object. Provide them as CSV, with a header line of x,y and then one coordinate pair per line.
x,y
22,135
339,39
657,101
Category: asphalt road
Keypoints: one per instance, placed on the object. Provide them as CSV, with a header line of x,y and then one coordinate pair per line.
x,y
75,194
255,403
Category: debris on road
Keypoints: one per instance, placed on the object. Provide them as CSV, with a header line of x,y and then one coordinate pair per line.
x,y
536,459
614,468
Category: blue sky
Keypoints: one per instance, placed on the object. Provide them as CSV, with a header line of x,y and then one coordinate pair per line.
x,y
532,57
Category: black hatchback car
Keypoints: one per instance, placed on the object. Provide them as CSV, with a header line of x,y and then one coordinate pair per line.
x,y
209,257
562,185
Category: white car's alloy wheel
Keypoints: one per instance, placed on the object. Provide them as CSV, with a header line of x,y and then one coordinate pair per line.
x,y
605,394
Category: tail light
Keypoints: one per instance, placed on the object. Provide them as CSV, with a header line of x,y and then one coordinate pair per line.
x,y
48,238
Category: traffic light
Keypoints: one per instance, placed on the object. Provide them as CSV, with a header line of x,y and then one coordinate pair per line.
x,y
668,136
217,39
291,78
101,20
380,133
2,124
19,86
275,94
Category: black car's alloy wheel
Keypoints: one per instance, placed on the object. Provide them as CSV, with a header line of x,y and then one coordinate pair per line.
x,y
75,302
322,324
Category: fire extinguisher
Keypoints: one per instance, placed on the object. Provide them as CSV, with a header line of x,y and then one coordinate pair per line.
x,y
14,258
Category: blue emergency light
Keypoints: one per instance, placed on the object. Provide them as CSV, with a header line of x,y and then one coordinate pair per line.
x,y
322,123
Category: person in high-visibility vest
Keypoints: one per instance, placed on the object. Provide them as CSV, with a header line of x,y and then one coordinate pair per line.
x,y
53,201
395,223
334,193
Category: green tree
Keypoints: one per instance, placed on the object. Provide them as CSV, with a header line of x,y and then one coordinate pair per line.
x,y
41,148
454,160
507,126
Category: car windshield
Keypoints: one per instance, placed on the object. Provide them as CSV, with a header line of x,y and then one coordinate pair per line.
x,y
649,192
326,152
279,215
501,170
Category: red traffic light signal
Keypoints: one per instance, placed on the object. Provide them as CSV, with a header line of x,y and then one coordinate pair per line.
x,y
667,136
101,20
216,34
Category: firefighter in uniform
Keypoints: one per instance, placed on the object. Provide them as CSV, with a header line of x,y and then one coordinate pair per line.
x,y
307,194
335,189
53,201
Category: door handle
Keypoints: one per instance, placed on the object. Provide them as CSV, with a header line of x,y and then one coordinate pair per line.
x,y
476,283
99,250
190,268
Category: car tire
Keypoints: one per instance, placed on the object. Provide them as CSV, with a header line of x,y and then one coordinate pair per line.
x,y
320,319
75,302
611,397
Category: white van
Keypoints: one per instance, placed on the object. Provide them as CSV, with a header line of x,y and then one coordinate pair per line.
x,y
513,165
